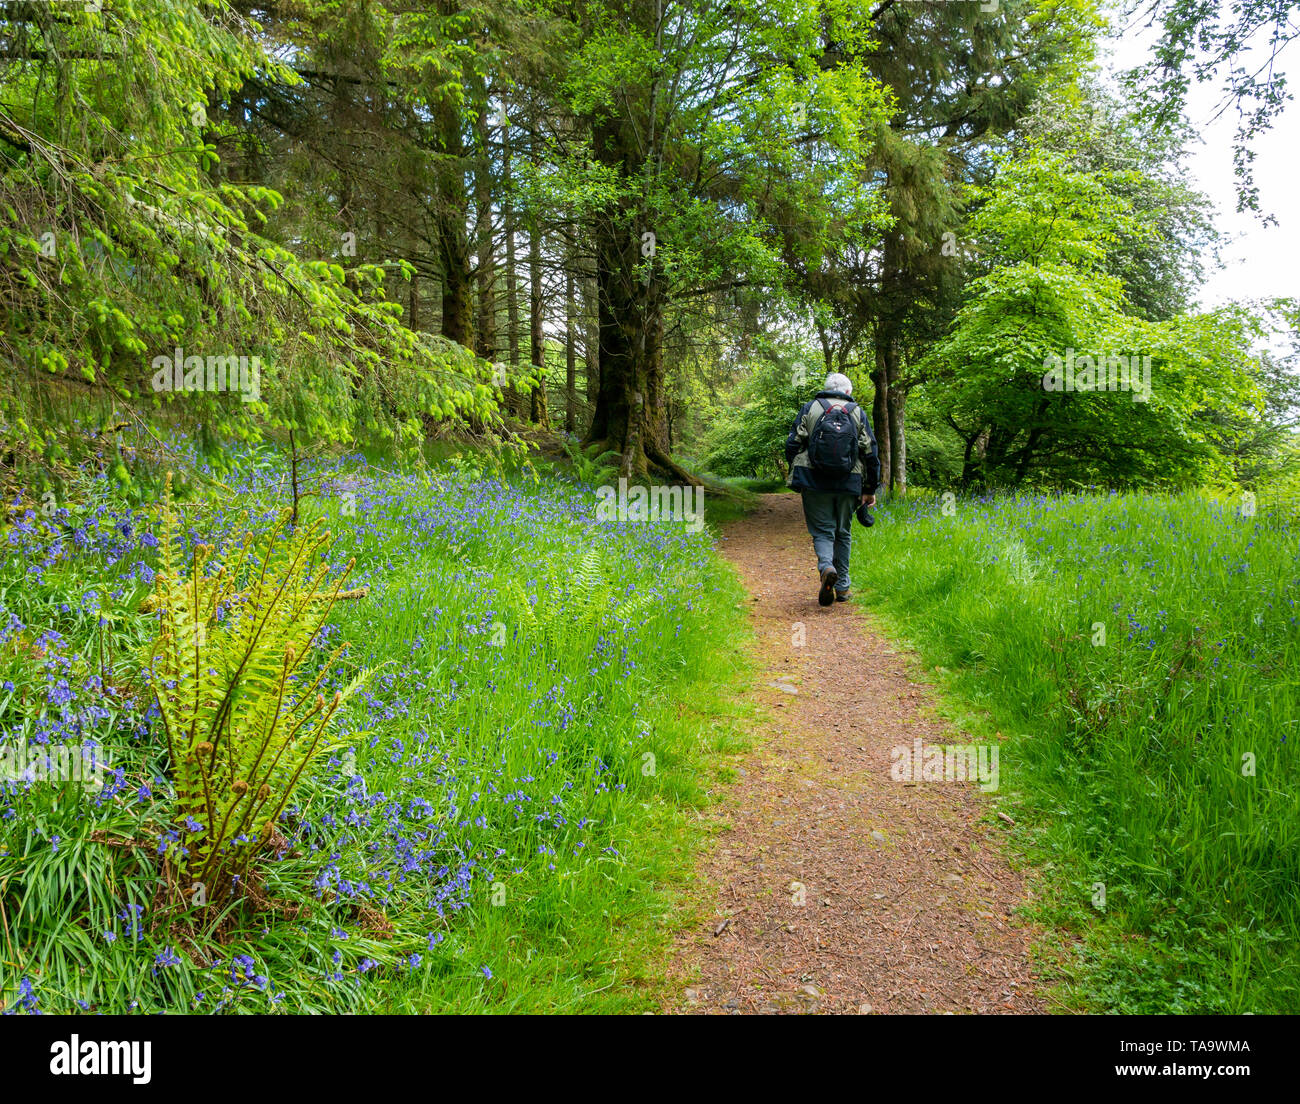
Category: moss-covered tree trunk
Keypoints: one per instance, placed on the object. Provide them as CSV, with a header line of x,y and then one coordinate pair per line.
x,y
880,409
629,413
570,360
590,342
514,399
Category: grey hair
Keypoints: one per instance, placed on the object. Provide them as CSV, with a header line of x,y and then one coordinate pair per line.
x,y
837,381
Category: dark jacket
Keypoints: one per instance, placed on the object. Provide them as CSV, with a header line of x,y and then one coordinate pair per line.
x,y
865,475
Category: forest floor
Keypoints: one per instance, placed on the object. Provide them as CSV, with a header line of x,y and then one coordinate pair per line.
x,y
832,887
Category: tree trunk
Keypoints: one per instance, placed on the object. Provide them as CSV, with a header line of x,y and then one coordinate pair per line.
x,y
485,329
973,469
536,332
514,401
590,344
895,474
996,449
413,289
570,361
629,415
453,242
967,468
1026,454
454,254
880,410
828,348
897,441
620,322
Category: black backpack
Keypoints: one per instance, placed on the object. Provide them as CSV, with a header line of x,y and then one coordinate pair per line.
x,y
833,444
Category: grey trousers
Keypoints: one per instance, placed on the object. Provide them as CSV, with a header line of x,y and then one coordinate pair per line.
x,y
829,518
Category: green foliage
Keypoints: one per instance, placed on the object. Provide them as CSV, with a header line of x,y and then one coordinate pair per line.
x,y
1138,655
1218,43
174,180
748,437
241,725
1047,231
123,250
759,166
1266,448
565,614
567,768
594,471
1160,256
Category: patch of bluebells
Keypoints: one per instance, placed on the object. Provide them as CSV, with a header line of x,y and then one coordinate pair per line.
x,y
243,971
1192,593
57,698
1158,557
25,1001
435,839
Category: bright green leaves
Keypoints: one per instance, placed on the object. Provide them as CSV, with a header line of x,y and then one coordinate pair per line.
x,y
126,244
724,129
1049,371
1044,212
241,717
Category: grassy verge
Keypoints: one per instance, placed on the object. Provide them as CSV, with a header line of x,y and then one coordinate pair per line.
x,y
508,827
1141,657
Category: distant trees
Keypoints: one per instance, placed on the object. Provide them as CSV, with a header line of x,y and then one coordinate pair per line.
x,y
960,77
1048,376
699,129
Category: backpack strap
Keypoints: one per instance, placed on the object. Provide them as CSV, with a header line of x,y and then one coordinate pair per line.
x,y
825,404
854,412
817,414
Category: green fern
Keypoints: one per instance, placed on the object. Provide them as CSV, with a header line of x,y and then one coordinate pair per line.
x,y
589,593
594,471
630,612
240,732
559,613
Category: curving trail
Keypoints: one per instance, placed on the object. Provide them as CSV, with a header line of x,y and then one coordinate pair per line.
x,y
907,896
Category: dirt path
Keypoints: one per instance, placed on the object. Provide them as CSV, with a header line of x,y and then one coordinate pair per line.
x,y
906,899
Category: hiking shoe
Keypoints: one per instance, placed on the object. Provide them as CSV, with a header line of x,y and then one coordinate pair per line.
x,y
826,595
841,596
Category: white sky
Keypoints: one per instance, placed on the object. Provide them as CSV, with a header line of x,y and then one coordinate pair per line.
x,y
1258,260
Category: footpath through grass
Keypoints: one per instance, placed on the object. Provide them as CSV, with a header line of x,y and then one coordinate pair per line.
x,y
1140,656
507,825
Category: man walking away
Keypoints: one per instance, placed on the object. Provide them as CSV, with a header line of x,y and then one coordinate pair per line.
x,y
834,465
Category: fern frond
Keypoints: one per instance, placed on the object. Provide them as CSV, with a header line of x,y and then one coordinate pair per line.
x,y
241,728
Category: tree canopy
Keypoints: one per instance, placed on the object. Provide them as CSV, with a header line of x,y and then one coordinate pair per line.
x,y
375,223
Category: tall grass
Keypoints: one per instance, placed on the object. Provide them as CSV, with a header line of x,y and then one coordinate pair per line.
x,y
1141,657
510,818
